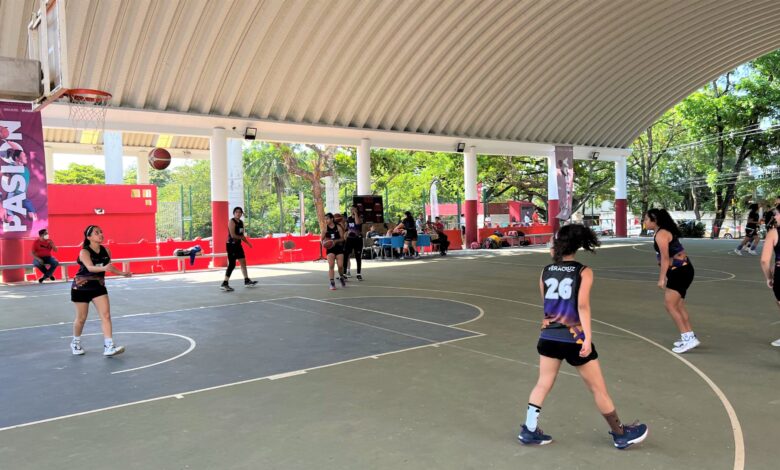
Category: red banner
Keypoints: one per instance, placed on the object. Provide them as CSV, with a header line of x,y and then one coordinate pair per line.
x,y
24,208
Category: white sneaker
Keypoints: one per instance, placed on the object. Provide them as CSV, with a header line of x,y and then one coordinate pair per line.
x,y
776,342
739,252
687,345
678,343
76,349
112,350
752,252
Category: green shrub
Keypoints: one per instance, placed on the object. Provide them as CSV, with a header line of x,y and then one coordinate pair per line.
x,y
691,229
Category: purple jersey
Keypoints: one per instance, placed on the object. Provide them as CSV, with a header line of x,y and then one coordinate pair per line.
x,y
561,313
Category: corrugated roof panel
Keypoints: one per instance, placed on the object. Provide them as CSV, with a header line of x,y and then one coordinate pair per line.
x,y
586,72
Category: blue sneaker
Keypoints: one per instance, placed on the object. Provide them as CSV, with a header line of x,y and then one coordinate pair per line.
x,y
534,437
632,434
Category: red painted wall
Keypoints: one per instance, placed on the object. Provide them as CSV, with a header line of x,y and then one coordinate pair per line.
x,y
128,212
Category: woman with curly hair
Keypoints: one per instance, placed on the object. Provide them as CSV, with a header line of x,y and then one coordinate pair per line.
x,y
566,334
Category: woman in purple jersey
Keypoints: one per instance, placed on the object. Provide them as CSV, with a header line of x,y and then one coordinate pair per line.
x,y
566,334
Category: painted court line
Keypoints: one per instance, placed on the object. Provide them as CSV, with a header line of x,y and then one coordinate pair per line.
x,y
739,440
390,314
187,338
481,311
201,307
181,395
389,330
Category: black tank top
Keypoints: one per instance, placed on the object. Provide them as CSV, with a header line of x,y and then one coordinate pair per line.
x,y
239,232
752,220
332,233
409,224
98,259
674,247
355,230
777,248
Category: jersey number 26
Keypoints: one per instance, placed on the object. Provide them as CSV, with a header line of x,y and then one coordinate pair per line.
x,y
556,290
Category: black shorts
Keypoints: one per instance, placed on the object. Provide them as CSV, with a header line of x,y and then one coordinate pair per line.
x,y
680,278
235,251
353,244
338,249
565,351
411,235
751,231
776,286
86,295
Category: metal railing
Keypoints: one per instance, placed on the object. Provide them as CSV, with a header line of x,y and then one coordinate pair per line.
x,y
125,262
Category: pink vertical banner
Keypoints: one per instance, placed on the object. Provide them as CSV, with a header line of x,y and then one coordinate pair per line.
x,y
24,208
564,169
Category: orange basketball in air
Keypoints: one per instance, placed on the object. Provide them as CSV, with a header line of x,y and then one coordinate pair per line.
x,y
159,158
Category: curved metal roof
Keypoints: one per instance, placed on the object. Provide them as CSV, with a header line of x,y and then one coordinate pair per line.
x,y
582,72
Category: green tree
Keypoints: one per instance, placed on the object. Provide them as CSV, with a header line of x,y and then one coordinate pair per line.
x,y
726,117
198,177
80,174
265,166
158,178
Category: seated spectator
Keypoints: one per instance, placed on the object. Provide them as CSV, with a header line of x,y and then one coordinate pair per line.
x,y
41,252
372,233
438,236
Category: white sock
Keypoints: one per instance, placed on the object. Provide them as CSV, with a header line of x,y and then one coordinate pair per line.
x,y
688,335
532,417
77,339
108,342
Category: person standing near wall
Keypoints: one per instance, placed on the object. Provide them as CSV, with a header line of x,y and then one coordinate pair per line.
x,y
235,252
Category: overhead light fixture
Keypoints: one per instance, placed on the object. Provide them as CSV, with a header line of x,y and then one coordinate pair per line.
x,y
250,133
164,140
461,147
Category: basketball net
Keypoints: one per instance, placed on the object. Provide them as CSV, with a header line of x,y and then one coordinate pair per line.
x,y
87,109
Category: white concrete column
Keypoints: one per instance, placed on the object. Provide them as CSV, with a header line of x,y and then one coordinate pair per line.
x,y
470,204
470,173
220,214
219,166
49,155
621,199
620,179
235,163
112,148
142,173
552,179
331,195
364,168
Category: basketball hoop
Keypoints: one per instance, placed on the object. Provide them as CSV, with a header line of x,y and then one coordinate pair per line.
x,y
88,108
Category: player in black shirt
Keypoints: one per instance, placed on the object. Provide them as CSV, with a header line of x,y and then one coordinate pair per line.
x,y
235,252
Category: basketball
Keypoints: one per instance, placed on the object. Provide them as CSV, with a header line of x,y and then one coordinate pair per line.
x,y
159,158
328,244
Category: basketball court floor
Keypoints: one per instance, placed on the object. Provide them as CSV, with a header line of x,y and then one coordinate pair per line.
x,y
425,364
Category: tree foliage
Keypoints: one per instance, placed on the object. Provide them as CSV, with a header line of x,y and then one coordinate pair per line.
x,y
80,174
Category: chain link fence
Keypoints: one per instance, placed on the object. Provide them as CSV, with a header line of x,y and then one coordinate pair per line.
x,y
169,220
